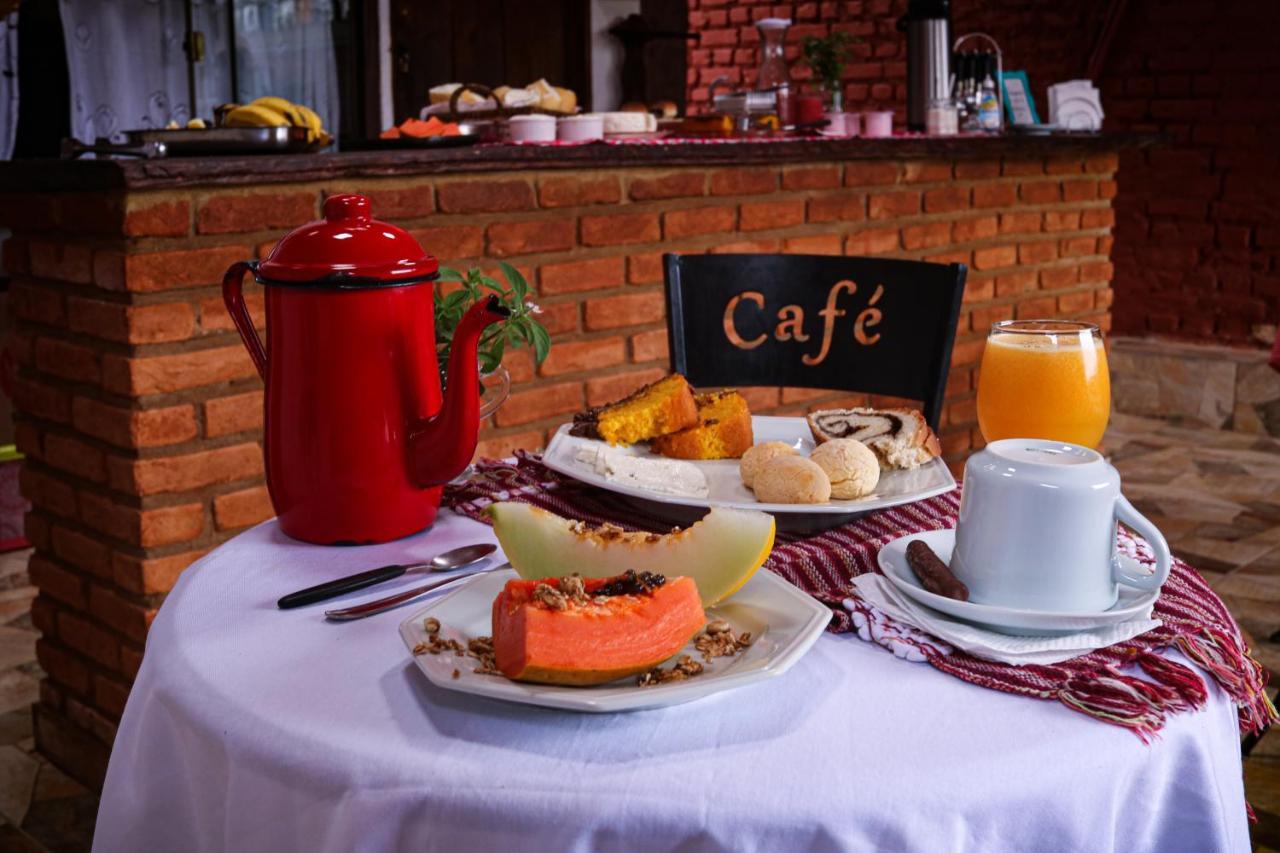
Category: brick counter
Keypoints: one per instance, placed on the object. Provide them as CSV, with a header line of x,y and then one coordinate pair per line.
x,y
140,412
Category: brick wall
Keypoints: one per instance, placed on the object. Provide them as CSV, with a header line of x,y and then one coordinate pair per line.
x,y
1198,232
140,412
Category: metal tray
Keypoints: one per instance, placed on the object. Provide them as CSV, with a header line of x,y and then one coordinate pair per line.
x,y
196,142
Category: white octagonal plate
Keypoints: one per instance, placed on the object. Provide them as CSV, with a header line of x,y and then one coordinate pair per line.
x,y
783,621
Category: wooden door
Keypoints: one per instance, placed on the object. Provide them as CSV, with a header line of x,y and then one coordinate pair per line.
x,y
494,42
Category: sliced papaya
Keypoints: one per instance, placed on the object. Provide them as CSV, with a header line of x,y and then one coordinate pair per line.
x,y
550,637
390,133
721,551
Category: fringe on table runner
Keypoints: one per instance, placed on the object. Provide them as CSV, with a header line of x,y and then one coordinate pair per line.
x,y
1194,620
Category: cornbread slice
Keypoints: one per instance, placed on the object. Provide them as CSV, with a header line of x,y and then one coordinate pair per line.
x,y
656,409
723,430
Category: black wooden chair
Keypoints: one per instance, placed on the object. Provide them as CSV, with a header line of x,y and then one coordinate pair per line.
x,y
867,325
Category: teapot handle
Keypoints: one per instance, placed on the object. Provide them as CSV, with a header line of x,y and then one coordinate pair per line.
x,y
233,296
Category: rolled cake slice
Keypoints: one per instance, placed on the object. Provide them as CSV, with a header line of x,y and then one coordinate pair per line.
x,y
723,430
656,409
900,438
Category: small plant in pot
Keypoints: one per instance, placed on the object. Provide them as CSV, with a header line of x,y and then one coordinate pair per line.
x,y
519,330
826,57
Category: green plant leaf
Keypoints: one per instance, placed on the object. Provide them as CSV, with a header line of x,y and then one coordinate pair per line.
x,y
515,279
449,274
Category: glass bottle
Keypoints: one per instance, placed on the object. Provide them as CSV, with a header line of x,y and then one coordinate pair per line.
x,y
773,72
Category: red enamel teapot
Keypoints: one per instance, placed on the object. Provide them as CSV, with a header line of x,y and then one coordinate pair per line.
x,y
358,439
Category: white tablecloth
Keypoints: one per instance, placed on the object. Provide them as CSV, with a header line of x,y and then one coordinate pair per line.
x,y
251,729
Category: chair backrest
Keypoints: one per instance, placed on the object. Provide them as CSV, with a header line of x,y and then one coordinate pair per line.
x,y
868,325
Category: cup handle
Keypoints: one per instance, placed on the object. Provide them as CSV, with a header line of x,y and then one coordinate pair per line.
x,y
504,388
1126,513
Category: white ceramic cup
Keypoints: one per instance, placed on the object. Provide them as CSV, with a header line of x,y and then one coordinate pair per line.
x,y
835,123
1037,529
877,124
532,128
580,128
853,124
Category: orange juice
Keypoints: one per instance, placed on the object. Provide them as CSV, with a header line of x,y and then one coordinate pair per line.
x,y
1044,385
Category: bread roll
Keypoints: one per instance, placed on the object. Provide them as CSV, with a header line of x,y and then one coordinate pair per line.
x,y
756,457
792,480
851,467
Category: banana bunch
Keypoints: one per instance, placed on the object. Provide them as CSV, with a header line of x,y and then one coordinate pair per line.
x,y
277,112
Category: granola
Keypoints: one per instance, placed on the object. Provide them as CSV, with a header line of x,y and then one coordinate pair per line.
x,y
684,667
715,640
480,648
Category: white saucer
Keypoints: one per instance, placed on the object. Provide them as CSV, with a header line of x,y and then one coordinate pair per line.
x,y
1131,604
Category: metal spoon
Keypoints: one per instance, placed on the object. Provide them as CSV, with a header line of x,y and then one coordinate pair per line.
x,y
382,605
455,559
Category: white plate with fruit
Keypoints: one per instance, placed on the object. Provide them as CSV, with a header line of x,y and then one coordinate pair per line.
x,y
602,639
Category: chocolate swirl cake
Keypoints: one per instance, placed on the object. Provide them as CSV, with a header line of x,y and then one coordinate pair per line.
x,y
900,438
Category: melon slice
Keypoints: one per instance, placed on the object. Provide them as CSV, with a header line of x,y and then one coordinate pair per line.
x,y
592,640
720,552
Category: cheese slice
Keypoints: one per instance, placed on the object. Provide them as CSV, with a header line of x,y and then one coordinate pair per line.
x,y
629,122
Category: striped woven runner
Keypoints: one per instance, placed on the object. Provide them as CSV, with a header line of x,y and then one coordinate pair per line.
x,y
1102,684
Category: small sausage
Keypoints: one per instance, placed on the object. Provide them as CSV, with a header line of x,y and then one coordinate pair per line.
x,y
933,573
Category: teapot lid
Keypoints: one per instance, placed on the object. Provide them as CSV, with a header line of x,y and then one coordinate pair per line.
x,y
348,248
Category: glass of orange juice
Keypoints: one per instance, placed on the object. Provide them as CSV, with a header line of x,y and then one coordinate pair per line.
x,y
1044,379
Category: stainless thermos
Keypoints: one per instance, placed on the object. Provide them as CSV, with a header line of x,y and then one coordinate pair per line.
x,y
928,28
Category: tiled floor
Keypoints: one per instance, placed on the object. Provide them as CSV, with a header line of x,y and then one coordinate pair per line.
x,y
1215,494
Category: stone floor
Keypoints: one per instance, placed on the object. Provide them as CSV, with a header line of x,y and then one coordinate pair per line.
x,y
1214,493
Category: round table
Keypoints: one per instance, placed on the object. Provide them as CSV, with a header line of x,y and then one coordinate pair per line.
x,y
251,729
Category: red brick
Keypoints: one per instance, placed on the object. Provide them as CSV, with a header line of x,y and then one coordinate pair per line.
x,y
574,192
577,276
922,172
977,169
61,261
1061,220
1056,278
230,415
873,242
1077,246
847,207
1079,190
67,360
484,196
539,403
1032,309
134,427
632,309
170,525
1063,166
771,214
575,356
151,575
167,373
818,244
811,178
82,551
994,257
649,346
75,457
893,205
743,181
1022,166
1040,192
619,229
761,399
670,185
645,269
869,173
158,271
42,401
946,199
134,324
37,303
974,229
1074,303
227,214
88,639
606,389
560,318
242,508
130,661
129,618
1102,163
47,491
520,238
697,221
504,446
56,582
402,202
994,195
1037,253
451,242
1016,223
162,474
162,219
63,667
925,236
110,695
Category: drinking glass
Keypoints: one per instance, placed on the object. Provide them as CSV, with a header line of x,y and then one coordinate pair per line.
x,y
1044,379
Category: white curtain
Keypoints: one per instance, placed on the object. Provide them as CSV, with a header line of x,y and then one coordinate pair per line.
x,y
8,84
129,71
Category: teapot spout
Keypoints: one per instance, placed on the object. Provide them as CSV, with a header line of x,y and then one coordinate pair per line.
x,y
441,447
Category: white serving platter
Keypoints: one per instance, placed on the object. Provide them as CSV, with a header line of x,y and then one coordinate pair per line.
x,y
1130,604
783,621
724,484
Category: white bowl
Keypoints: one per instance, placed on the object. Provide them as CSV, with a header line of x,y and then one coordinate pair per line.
x,y
580,128
532,128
